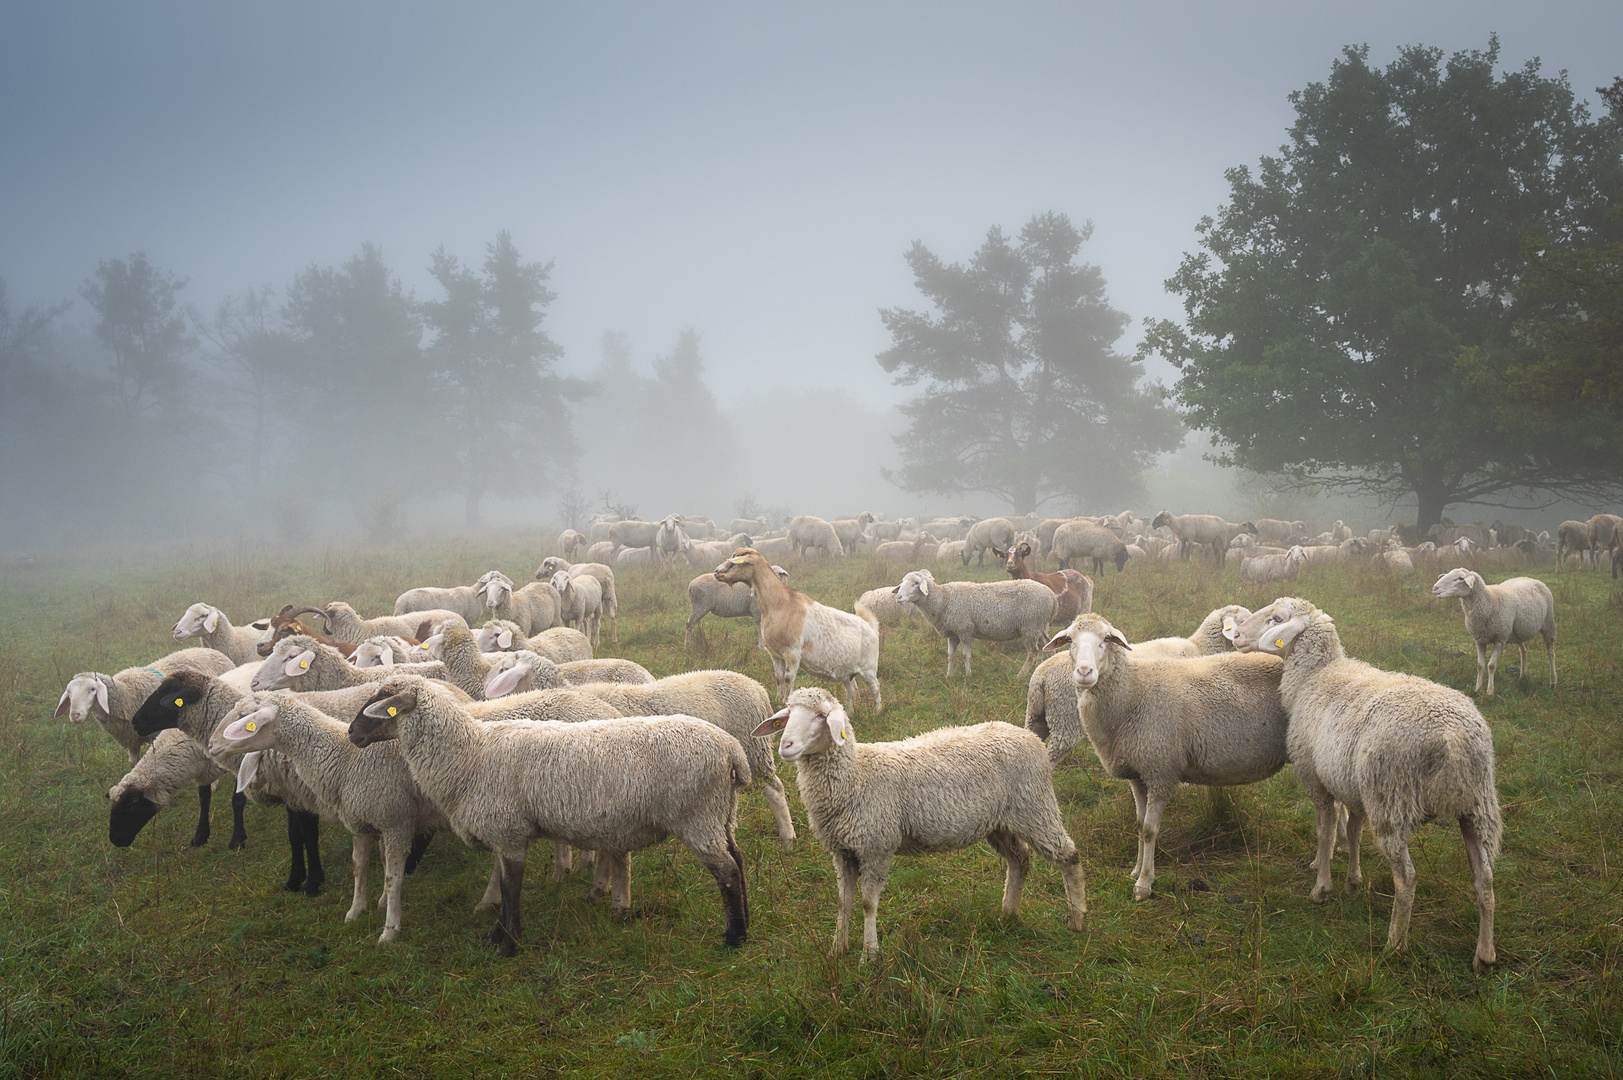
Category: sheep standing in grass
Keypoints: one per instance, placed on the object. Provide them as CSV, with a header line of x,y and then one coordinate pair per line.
x,y
939,791
796,630
851,531
1274,567
612,786
209,623
113,699
1208,529
1571,538
172,762
1397,749
1085,540
467,601
1158,722
580,603
535,607
605,578
989,534
962,611
807,533
1509,613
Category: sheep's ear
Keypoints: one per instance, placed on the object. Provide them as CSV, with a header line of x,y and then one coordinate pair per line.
x,y
62,705
212,621
1061,640
504,638
260,624
298,665
924,586
772,723
246,769
503,682
1230,625
1115,636
386,656
839,728
390,707
250,725
101,695
433,641
1279,638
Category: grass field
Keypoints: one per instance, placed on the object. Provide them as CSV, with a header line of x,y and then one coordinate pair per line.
x,y
163,960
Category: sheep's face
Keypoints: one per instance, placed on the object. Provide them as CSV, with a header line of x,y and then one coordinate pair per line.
x,y
551,565
369,654
83,693
561,581
496,590
1457,582
132,808
1275,628
915,586
494,637
199,619
291,660
379,718
812,721
1233,616
162,709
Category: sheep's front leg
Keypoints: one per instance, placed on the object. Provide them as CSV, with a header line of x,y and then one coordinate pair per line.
x,y
620,880
1325,812
1033,647
1481,667
205,795
779,802
509,928
1482,880
394,875
872,879
1521,672
1140,801
1156,803
846,869
360,855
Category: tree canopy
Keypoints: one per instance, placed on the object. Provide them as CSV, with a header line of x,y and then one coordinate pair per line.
x,y
1025,397
1354,310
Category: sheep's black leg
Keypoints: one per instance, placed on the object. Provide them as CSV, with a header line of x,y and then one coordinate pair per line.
x,y
295,843
419,844
239,835
729,875
205,792
311,828
738,860
509,924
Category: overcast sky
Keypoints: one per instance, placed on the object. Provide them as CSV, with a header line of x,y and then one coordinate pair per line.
x,y
755,171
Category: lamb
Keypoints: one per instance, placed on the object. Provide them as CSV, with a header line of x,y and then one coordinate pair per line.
x,y
311,665
369,789
735,703
569,541
1202,529
605,578
939,791
807,532
580,603
1072,589
561,644
1508,613
1397,749
796,629
988,534
1571,537
343,624
851,530
1085,540
114,698
1274,567
211,625
707,596
1160,721
612,786
525,670
962,611
172,762
535,607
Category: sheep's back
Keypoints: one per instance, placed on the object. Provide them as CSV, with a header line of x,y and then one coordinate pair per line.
x,y
997,610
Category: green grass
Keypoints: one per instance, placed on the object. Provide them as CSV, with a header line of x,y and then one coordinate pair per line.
x,y
164,960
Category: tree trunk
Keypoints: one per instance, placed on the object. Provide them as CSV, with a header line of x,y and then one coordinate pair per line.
x,y
1433,500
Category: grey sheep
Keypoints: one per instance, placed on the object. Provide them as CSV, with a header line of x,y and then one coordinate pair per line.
x,y
985,535
939,791
1159,722
724,600
369,790
113,699
1085,540
613,786
1397,749
1208,529
1512,612
605,578
561,644
210,624
962,611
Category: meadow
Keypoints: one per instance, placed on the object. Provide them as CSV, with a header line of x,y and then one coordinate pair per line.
x,y
164,960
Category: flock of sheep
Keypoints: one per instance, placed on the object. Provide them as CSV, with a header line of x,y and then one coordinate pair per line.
x,y
404,725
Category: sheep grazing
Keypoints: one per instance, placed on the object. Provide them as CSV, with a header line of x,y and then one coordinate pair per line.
x,y
561,644
939,791
113,699
1158,722
524,670
303,663
796,630
611,786
1073,590
569,541
988,534
370,790
807,533
1397,749
1509,613
851,531
535,607
172,762
962,611
605,578
210,624
580,603
343,624
707,596
1572,537
1202,529
1085,540
1274,567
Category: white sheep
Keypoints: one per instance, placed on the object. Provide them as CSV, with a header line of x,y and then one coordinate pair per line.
x,y
1397,749
305,664
807,532
985,535
1274,567
707,596
211,625
172,762
1085,540
1208,529
882,607
580,603
113,699
467,601
612,786
914,551
952,552
605,578
939,791
524,670
1509,613
535,607
851,531
1157,722
796,630
344,624
962,611
569,541
561,644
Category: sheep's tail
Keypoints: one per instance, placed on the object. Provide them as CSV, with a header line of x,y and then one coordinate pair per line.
x,y
1463,787
742,777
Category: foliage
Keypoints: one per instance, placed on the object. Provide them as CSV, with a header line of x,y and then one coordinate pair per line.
x,y
139,322
1025,398
252,349
1349,283
167,960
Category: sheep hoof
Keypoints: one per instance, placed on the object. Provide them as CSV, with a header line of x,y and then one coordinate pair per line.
x,y
352,914
1320,894
485,905
388,935
1077,921
1142,892
788,843
1483,967
1353,884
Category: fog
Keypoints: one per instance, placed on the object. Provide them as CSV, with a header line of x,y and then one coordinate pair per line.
x,y
722,196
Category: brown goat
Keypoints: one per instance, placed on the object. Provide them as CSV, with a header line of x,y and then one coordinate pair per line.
x,y
1073,588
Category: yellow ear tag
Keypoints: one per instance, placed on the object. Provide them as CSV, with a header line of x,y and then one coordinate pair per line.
x,y
179,702
251,726
1279,643
304,663
391,710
